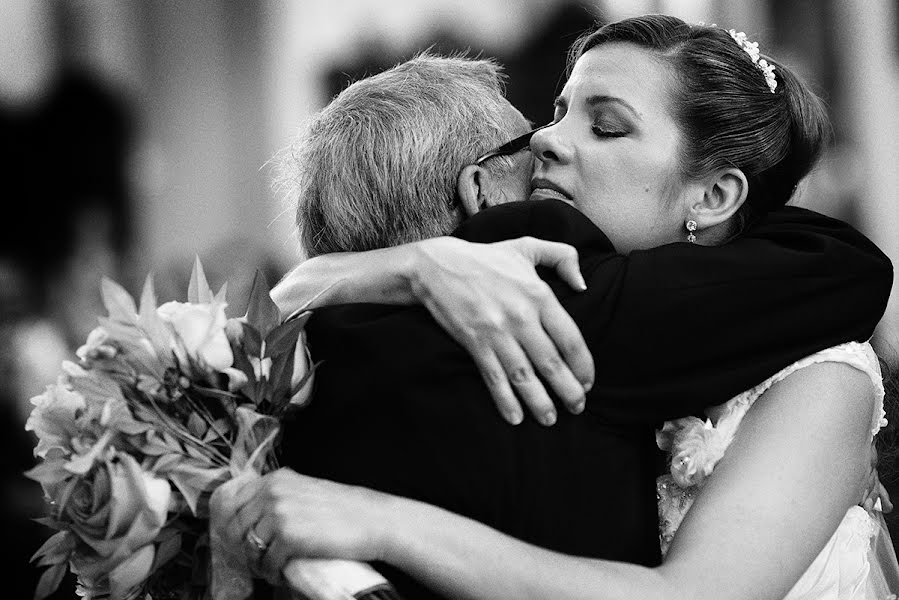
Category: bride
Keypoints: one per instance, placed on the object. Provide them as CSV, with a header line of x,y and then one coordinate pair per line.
x,y
765,496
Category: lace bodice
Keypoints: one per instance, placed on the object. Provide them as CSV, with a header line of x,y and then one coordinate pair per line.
x,y
695,446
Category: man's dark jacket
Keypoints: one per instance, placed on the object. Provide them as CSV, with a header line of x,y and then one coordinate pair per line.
x,y
400,407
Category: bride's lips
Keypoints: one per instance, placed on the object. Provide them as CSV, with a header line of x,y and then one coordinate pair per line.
x,y
544,188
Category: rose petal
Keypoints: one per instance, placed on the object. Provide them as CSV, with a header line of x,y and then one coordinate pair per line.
x,y
158,495
131,572
126,496
236,378
216,352
193,325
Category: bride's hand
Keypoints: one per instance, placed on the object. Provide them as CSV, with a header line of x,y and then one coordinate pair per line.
x,y
490,299
296,516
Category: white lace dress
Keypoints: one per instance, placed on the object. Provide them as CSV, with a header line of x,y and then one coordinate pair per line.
x,y
858,563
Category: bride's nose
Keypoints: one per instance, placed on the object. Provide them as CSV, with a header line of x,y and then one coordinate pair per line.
x,y
549,145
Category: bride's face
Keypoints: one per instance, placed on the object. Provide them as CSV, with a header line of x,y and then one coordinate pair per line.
x,y
612,150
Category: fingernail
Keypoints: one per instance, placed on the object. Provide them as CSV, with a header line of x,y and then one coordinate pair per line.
x,y
578,408
514,417
588,386
582,285
549,418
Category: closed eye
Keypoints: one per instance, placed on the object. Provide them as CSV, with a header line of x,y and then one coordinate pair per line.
x,y
561,107
599,131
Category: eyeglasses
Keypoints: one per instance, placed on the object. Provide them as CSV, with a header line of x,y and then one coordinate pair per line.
x,y
517,145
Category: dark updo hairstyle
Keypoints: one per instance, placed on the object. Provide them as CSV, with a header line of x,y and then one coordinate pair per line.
x,y
727,113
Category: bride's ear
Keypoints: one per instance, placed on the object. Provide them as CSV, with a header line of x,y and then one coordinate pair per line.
x,y
725,192
470,189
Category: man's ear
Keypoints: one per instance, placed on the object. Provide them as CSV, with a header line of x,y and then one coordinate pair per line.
x,y
470,189
725,192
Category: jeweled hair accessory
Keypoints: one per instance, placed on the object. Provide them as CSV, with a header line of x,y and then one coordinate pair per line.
x,y
752,49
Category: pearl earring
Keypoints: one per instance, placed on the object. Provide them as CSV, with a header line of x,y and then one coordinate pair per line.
x,y
691,227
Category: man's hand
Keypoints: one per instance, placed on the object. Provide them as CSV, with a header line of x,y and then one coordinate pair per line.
x,y
490,299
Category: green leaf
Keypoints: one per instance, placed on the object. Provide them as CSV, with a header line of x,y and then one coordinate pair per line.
x,y
196,425
154,445
262,312
195,452
148,297
149,321
48,522
284,337
48,472
199,292
222,293
252,340
167,550
55,549
220,395
117,415
281,374
118,302
242,363
50,581
174,528
167,462
219,429
62,499
171,441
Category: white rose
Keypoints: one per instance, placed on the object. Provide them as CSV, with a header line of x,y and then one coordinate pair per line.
x,y
118,510
201,331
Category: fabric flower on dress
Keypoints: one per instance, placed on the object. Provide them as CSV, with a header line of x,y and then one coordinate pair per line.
x,y
695,446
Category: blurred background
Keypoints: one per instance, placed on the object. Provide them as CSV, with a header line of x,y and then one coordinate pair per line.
x,y
135,134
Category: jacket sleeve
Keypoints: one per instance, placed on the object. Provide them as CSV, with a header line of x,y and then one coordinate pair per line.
x,y
678,328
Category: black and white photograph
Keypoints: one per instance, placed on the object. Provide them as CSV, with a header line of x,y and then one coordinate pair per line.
x,y
449,299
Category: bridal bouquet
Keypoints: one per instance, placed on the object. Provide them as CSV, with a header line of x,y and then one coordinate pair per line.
x,y
165,404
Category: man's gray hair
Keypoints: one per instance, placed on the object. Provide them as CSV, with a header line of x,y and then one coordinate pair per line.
x,y
378,166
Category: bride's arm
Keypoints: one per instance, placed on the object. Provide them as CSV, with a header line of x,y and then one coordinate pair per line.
x,y
797,464
488,297
404,274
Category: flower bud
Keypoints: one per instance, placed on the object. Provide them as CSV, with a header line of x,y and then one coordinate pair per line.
x,y
301,366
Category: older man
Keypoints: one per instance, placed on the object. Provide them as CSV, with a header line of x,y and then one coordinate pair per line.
x,y
378,166
399,406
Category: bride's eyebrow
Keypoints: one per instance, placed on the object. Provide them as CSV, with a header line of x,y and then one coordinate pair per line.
x,y
592,101
599,99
